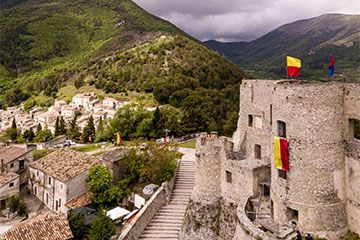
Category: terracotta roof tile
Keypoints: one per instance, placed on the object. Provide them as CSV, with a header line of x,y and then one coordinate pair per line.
x,y
80,201
65,164
7,177
43,227
8,154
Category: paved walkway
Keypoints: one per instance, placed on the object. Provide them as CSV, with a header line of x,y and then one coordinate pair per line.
x,y
166,224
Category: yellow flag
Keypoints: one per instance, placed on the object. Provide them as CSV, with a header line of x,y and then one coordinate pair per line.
x,y
293,62
277,153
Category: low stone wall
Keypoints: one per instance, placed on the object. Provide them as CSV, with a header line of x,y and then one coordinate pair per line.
x,y
143,218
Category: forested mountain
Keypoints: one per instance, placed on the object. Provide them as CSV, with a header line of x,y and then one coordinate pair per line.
x,y
312,40
117,47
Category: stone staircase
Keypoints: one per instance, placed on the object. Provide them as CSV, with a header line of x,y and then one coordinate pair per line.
x,y
166,224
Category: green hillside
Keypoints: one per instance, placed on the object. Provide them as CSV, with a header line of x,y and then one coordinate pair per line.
x,y
117,48
312,40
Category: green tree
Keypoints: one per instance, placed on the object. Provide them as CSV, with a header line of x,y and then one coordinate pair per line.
x,y
56,133
89,131
62,127
17,204
29,135
77,225
43,135
38,127
102,227
73,132
100,132
13,124
99,182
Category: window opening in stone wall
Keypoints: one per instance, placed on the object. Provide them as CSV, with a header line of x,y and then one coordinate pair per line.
x,y
56,205
292,214
49,180
281,126
272,209
250,120
282,174
22,164
257,151
271,113
35,190
12,165
11,185
228,177
354,128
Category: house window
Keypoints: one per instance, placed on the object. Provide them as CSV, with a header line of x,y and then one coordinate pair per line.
x,y
12,165
47,198
37,173
11,185
282,174
354,128
56,205
281,129
257,151
22,164
59,202
35,190
228,177
271,113
49,180
61,186
250,120
292,214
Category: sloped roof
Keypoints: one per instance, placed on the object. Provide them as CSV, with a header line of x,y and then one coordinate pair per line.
x,y
8,154
79,201
7,177
43,227
65,164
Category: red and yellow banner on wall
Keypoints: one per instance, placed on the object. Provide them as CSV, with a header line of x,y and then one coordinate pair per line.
x,y
281,153
293,66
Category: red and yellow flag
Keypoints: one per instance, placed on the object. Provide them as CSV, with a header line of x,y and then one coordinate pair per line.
x,y
281,153
293,66
118,139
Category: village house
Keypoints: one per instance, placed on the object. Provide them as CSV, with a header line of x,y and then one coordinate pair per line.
x,y
85,101
110,103
68,111
60,177
47,119
9,186
43,227
16,160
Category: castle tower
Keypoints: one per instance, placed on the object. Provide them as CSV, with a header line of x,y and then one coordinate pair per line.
x,y
312,191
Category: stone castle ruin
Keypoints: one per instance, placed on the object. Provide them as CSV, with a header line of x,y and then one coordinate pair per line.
x,y
240,194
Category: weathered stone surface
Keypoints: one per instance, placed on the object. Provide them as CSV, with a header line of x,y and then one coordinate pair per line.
x,y
321,191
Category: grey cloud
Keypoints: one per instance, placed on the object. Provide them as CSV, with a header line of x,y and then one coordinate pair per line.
x,y
241,20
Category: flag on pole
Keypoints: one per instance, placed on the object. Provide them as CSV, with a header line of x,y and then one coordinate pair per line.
x,y
293,66
281,153
118,139
332,65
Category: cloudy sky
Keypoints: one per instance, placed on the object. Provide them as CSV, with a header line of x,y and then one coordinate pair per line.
x,y
235,20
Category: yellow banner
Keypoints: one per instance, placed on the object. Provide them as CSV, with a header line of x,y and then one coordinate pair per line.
x,y
277,153
293,62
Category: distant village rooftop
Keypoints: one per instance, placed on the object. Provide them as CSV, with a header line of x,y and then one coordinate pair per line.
x,y
43,227
8,154
7,177
65,164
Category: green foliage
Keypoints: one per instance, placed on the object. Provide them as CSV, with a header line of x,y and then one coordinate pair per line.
x,y
350,236
102,227
89,131
73,131
10,135
43,135
17,204
77,225
37,154
99,182
29,135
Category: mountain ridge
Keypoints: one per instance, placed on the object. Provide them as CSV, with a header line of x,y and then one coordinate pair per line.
x,y
311,39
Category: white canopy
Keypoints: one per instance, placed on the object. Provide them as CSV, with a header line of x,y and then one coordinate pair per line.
x,y
117,213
